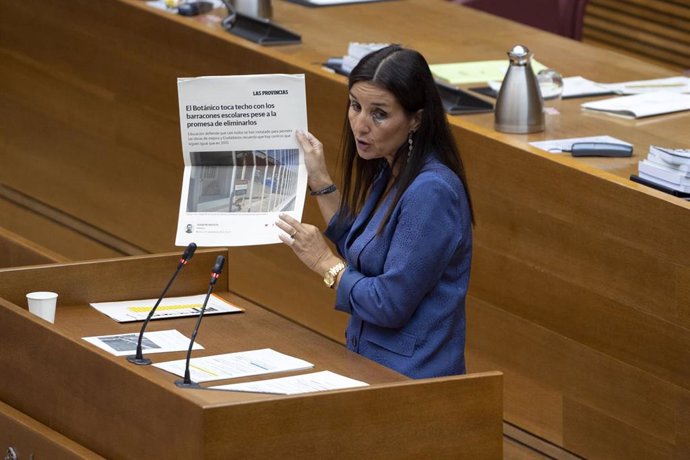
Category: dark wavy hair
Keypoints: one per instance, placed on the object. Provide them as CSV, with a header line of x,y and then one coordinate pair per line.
x,y
404,73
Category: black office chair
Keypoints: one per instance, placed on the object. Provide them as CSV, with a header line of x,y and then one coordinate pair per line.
x,y
562,17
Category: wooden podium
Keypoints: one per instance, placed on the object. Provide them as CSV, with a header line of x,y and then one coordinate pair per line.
x,y
64,398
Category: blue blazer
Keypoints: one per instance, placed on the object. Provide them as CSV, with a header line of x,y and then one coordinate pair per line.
x,y
405,289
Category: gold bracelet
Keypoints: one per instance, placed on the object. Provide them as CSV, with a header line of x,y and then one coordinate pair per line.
x,y
332,274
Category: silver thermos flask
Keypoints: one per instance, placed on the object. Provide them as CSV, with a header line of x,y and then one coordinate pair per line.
x,y
519,106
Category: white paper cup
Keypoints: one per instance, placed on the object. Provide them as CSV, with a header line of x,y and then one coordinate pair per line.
x,y
43,304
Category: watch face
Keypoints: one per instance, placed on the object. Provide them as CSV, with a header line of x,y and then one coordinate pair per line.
x,y
329,280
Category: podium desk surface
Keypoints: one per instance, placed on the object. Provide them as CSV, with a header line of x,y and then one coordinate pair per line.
x,y
120,410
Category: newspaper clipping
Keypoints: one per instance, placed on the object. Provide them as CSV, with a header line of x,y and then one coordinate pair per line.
x,y
243,165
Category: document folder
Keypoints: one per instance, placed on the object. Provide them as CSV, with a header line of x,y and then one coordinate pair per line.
x,y
459,102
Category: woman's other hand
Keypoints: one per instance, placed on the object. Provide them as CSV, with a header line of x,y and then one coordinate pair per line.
x,y
308,244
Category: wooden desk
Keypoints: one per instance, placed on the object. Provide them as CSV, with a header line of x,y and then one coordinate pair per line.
x,y
92,401
579,287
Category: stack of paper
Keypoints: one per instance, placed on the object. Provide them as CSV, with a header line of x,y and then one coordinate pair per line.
x,y
356,51
672,84
641,105
669,168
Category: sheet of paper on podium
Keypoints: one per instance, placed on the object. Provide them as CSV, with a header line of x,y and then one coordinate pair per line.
x,y
152,342
234,365
243,165
170,307
296,384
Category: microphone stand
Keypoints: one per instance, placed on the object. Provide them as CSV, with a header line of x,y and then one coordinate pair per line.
x,y
138,358
187,382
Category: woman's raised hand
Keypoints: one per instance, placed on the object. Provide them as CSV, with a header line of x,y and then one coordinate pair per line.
x,y
314,160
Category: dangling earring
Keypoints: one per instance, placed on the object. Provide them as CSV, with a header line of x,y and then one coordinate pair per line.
x,y
410,144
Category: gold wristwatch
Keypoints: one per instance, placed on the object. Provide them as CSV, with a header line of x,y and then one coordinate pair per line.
x,y
332,274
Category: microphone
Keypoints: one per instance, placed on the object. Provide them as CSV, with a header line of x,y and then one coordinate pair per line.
x,y
138,358
231,18
215,274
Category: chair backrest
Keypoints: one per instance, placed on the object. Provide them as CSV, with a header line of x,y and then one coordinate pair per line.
x,y
563,17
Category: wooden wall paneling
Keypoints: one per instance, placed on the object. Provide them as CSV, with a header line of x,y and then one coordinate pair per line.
x,y
656,29
536,405
615,327
559,284
111,178
95,107
145,279
674,8
62,242
16,251
289,418
682,291
637,338
32,439
55,94
682,434
99,183
600,436
94,383
546,365
593,265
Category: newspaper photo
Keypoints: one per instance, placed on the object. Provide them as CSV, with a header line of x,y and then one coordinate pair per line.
x,y
243,165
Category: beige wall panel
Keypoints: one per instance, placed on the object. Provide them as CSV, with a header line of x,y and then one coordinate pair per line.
x,y
604,264
31,439
577,372
56,95
682,275
535,404
110,186
595,435
16,251
63,241
682,448
605,325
